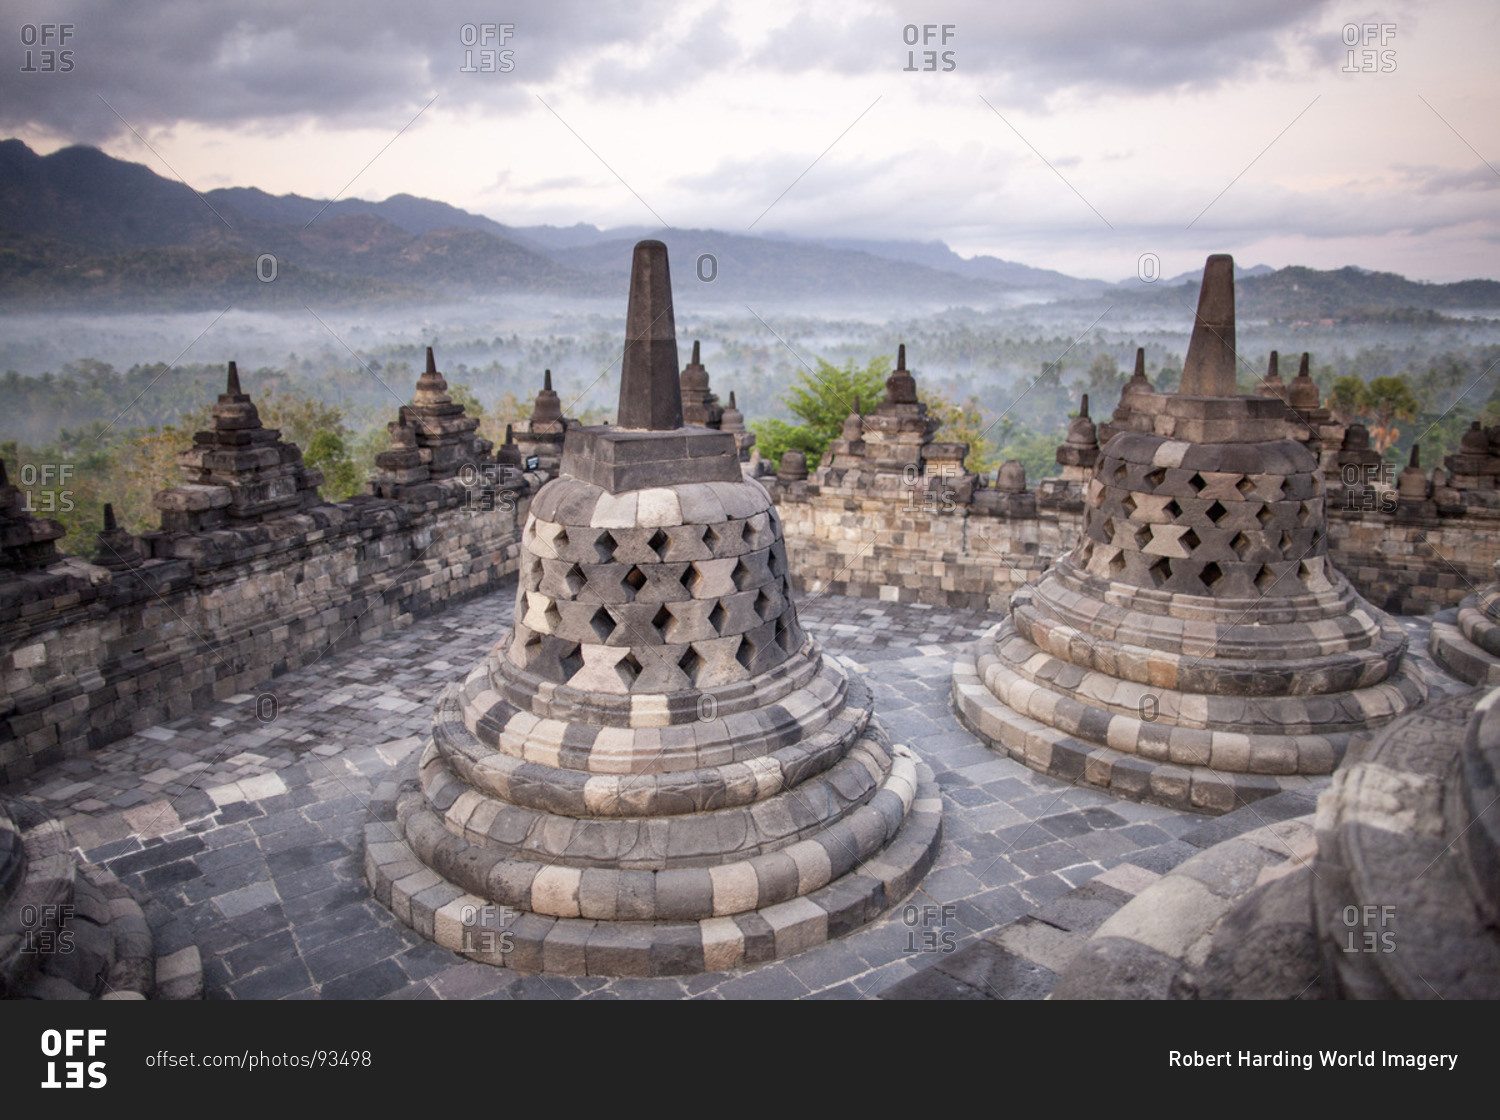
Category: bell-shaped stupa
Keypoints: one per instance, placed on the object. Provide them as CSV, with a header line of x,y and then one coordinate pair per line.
x,y
656,770
1196,648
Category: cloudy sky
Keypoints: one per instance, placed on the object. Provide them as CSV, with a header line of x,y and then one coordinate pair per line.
x,y
1070,135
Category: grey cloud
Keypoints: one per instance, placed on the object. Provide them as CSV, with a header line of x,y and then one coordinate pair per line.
x,y
266,63
1143,222
664,64
249,63
1479,178
1033,50
565,183
1334,214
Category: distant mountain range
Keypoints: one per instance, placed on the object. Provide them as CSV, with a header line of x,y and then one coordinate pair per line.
x,y
80,228
937,255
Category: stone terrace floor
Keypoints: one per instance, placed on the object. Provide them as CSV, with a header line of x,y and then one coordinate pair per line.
x,y
243,836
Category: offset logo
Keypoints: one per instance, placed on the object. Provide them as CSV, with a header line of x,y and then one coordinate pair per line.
x,y
73,1046
49,37
1369,929
44,928
941,499
484,928
928,33
47,478
492,60
1367,487
934,936
1371,59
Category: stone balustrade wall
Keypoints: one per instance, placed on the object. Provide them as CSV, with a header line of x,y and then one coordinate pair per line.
x,y
922,546
1414,565
89,655
907,547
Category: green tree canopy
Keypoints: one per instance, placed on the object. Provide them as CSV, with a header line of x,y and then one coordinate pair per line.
x,y
822,399
1036,451
1348,397
964,423
342,477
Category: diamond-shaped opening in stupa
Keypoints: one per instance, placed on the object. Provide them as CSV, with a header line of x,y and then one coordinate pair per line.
x,y
718,617
1211,576
635,579
690,663
602,624
659,543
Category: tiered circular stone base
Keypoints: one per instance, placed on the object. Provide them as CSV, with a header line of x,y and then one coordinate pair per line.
x,y
72,931
657,772
1391,891
1167,942
1181,700
1466,642
1407,891
472,924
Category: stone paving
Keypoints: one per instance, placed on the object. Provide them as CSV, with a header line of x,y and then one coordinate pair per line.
x,y
238,826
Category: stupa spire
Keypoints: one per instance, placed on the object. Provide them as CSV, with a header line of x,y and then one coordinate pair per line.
x,y
650,389
1209,369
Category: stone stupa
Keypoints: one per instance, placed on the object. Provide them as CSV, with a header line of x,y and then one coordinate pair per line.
x,y
1391,890
655,771
1465,639
237,472
700,407
1196,648
540,437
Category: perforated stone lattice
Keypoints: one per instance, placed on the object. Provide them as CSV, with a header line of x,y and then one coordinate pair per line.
x,y
699,605
1214,533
